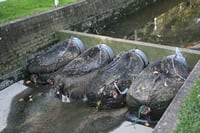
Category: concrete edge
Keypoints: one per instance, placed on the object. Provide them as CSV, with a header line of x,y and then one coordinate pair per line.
x,y
169,119
6,97
155,51
130,41
130,127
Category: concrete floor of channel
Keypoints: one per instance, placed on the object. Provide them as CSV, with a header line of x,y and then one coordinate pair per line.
x,y
8,94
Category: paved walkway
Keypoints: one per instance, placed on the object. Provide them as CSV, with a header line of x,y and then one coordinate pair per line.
x,y
6,97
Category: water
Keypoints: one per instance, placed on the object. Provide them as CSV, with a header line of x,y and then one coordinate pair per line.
x,y
167,22
42,112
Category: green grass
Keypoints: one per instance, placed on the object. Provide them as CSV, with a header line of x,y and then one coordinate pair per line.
x,y
189,115
12,9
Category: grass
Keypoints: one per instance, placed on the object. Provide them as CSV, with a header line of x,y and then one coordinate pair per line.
x,y
189,115
12,9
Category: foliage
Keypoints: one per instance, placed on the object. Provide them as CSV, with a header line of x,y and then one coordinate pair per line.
x,y
189,115
12,9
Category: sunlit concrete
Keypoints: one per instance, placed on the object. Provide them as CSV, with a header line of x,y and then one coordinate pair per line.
x,y
6,97
128,127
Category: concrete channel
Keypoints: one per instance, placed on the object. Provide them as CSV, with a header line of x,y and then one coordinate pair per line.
x,y
154,52
64,19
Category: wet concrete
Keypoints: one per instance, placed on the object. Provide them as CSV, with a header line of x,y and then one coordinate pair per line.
x,y
45,113
6,97
130,127
40,111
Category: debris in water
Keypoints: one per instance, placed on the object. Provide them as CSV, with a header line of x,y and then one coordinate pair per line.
x,y
142,88
28,82
198,20
134,118
155,72
165,83
66,99
30,99
147,124
21,100
145,110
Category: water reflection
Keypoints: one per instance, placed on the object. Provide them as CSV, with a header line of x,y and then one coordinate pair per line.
x,y
167,23
125,27
45,113
177,27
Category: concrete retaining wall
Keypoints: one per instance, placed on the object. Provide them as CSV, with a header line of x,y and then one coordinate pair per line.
x,y
22,38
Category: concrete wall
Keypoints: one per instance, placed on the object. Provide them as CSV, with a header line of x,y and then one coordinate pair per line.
x,y
21,39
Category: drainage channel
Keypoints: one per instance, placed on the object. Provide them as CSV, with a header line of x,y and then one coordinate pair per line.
x,y
173,23
38,110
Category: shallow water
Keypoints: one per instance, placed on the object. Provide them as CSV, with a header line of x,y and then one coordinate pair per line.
x,y
167,23
48,114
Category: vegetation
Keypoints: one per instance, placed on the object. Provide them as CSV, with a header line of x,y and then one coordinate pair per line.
x,y
189,116
12,9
